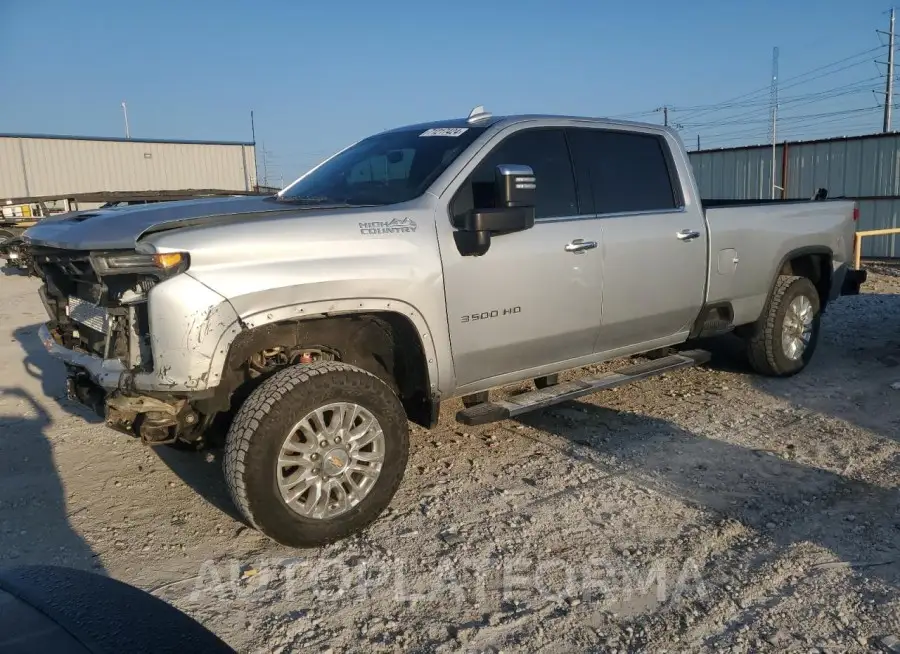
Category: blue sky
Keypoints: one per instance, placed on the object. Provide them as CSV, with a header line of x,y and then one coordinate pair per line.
x,y
320,75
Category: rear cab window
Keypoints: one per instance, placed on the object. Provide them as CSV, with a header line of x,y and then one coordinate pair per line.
x,y
624,172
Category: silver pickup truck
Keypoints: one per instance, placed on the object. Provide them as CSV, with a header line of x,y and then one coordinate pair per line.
x,y
423,263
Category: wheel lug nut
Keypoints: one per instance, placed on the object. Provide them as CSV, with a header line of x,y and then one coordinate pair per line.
x,y
314,457
337,439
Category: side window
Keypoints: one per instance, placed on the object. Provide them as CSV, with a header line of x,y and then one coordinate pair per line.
x,y
627,171
545,150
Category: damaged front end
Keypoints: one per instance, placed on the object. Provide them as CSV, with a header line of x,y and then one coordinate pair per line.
x,y
127,327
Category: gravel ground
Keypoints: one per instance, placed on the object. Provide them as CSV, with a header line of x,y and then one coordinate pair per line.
x,y
708,510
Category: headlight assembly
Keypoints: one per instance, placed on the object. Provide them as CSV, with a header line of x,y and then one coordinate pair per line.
x,y
161,264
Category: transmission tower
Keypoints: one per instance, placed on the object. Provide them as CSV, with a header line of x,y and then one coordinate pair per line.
x,y
773,99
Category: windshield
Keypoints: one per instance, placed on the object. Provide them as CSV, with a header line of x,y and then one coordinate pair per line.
x,y
383,169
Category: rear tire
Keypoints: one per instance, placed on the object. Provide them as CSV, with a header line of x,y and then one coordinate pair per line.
x,y
287,418
784,339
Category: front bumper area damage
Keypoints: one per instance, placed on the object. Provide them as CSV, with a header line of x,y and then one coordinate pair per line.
x,y
139,351
108,389
106,374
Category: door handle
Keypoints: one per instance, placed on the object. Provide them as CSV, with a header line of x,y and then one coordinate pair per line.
x,y
579,245
687,235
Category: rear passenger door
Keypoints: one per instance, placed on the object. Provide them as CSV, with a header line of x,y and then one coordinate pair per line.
x,y
654,250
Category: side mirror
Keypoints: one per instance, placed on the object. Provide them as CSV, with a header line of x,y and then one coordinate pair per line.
x,y
516,186
515,189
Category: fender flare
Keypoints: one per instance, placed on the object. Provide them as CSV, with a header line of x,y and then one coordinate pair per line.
x,y
799,252
329,308
792,254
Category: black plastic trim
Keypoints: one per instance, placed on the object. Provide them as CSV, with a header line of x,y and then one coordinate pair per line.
x,y
499,220
799,252
703,316
853,280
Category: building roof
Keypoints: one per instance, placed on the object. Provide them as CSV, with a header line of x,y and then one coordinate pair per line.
x,y
121,139
828,139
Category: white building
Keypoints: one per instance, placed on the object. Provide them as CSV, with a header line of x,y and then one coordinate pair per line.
x,y
55,169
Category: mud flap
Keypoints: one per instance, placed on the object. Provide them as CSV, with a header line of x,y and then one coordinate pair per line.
x,y
853,280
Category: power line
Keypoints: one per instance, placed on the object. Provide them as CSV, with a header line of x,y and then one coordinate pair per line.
x,y
863,86
868,126
745,117
754,98
794,121
798,122
796,79
804,99
746,113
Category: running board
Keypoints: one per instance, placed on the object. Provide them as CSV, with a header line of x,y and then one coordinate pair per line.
x,y
482,414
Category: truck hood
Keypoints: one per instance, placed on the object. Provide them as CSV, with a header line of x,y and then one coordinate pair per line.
x,y
121,227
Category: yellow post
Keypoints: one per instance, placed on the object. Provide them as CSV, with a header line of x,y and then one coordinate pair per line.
x,y
858,237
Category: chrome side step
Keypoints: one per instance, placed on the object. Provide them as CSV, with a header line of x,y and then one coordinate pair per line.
x,y
487,412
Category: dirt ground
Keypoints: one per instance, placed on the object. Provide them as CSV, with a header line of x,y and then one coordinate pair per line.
x,y
709,510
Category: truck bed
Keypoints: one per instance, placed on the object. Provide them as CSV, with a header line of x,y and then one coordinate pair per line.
x,y
750,240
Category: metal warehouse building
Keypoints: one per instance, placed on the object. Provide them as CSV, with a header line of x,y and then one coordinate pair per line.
x,y
866,168
36,167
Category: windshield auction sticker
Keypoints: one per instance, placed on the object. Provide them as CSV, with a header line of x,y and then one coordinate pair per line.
x,y
444,131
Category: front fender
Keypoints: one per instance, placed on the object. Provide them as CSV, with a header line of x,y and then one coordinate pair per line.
x,y
330,308
187,321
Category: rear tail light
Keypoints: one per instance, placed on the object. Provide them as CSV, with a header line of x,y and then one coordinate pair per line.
x,y
855,214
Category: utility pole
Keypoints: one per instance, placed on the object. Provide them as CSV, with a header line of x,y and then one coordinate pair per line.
x,y
255,164
665,113
889,83
125,111
774,101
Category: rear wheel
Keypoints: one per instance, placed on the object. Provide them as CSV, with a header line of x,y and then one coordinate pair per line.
x,y
786,336
316,453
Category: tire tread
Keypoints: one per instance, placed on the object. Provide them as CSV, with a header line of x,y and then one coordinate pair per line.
x,y
762,343
256,408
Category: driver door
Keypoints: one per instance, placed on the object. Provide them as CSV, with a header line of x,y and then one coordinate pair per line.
x,y
534,298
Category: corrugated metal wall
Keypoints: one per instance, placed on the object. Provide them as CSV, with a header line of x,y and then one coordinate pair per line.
x,y
735,174
867,168
37,167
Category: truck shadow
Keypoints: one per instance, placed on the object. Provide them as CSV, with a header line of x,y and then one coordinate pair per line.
x,y
34,520
773,493
857,391
202,471
13,271
39,365
852,371
193,468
